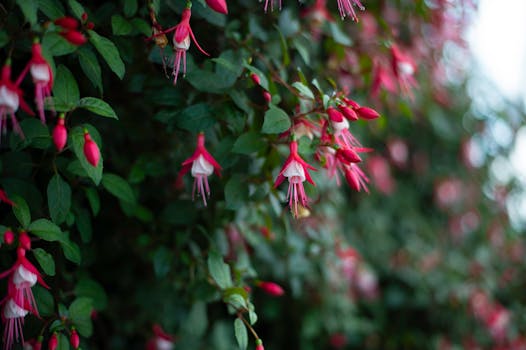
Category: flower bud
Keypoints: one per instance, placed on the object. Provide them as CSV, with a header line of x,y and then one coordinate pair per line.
x,y
267,96
349,113
67,22
334,115
351,103
60,134
74,339
367,113
259,345
271,288
348,155
218,6
53,342
9,237
90,25
255,78
25,241
91,150
84,17
74,37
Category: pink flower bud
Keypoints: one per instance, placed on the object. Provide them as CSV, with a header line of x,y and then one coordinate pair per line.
x,y
259,345
348,155
74,37
367,113
9,237
60,134
334,115
67,22
218,6
351,103
349,113
271,288
91,150
84,17
267,96
74,339
255,78
90,25
25,241
53,342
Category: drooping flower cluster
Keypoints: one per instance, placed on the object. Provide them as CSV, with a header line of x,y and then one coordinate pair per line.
x,y
21,277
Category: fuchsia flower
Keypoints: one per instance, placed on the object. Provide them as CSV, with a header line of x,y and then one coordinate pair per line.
x,y
346,8
13,317
74,339
259,344
271,5
271,288
201,165
404,69
10,100
70,30
53,342
181,40
161,340
42,78
4,198
60,133
91,150
218,6
296,170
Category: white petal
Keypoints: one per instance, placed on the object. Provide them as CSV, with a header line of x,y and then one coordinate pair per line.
x,y
163,344
12,310
8,99
201,166
406,68
23,275
294,169
40,73
339,126
183,45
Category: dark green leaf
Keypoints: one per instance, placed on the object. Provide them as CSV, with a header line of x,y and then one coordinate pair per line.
x,y
276,121
59,199
130,7
83,223
4,38
338,35
97,106
117,186
120,25
29,9
109,52
94,201
71,251
195,118
46,230
303,90
63,342
248,143
21,211
65,90
51,8
76,8
196,322
45,260
89,288
236,192
45,301
80,315
240,331
90,66
56,45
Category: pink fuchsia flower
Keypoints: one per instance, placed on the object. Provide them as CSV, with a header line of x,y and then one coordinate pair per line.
x,y
271,288
4,198
9,237
201,165
42,77
346,8
271,5
218,6
380,171
53,342
161,340
382,79
181,41
60,133
91,150
74,339
69,30
356,178
13,318
10,100
404,69
296,170
22,276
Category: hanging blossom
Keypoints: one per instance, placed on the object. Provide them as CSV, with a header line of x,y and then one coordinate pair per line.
x,y
22,276
346,8
201,165
271,5
404,69
10,99
296,170
42,77
161,340
181,41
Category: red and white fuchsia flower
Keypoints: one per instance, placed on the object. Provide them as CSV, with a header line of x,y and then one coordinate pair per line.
x,y
296,170
201,165
404,69
10,100
346,8
42,78
161,340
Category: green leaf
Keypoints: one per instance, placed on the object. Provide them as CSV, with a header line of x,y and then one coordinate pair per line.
x,y
58,198
97,106
90,66
29,9
109,52
36,135
83,223
120,25
195,118
45,301
248,143
130,7
77,143
63,342
236,192
303,90
71,251
45,260
21,211
94,200
196,322
46,230
118,187
56,45
65,90
219,271
51,8
276,121
338,35
4,39
89,288
80,315
240,331
76,8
